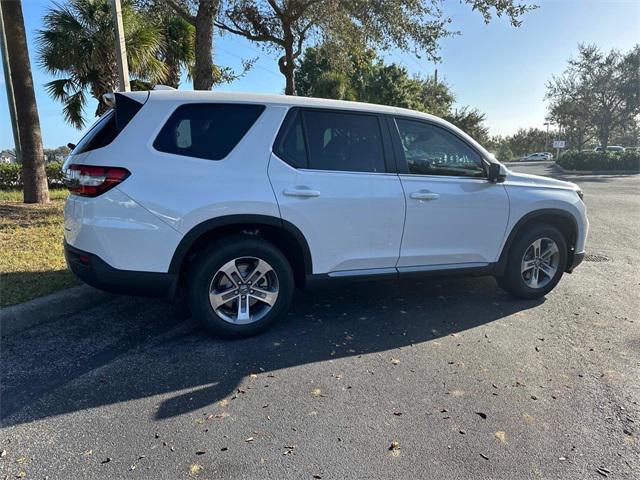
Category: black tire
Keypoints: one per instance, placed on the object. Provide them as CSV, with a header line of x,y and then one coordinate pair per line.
x,y
512,281
209,262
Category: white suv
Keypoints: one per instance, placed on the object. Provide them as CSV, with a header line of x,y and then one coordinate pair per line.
x,y
241,198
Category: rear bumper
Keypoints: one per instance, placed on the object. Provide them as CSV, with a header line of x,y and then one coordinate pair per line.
x,y
94,271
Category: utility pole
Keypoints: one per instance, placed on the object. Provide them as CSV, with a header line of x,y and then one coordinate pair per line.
x,y
11,100
546,143
121,47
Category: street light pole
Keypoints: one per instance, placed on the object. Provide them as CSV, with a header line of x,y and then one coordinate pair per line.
x,y
546,143
121,47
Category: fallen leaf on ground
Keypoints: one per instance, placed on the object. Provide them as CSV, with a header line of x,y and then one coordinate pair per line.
x,y
456,393
500,436
316,392
253,375
195,469
394,445
250,439
223,403
484,456
201,452
481,415
395,361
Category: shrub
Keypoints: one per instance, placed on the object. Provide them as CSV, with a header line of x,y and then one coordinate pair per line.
x,y
11,175
54,174
600,161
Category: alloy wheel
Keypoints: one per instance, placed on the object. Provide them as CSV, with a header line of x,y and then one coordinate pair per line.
x,y
540,263
243,290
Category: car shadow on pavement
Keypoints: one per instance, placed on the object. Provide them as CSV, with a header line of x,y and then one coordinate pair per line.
x,y
152,351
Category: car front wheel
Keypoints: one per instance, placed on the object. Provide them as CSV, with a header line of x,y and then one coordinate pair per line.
x,y
536,262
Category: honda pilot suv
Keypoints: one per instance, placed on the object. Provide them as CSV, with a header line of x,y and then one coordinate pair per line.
x,y
238,199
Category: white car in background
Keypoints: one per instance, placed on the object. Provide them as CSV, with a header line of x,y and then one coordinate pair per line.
x,y
537,157
239,199
610,148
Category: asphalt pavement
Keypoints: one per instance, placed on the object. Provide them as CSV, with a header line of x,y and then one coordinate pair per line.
x,y
443,378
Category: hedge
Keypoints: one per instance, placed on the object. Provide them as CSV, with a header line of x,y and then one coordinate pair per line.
x,y
11,175
600,161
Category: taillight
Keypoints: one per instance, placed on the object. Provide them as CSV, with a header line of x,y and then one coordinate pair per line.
x,y
91,181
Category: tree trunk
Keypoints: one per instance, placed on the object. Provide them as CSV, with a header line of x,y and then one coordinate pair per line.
x,y
173,74
286,64
33,172
203,75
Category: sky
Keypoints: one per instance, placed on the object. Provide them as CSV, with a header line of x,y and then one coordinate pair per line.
x,y
496,68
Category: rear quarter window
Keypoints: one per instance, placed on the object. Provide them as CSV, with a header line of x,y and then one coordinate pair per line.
x,y
208,131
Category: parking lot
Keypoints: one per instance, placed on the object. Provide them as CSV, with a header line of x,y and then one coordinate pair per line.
x,y
468,381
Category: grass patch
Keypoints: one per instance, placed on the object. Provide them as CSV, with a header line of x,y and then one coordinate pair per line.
x,y
31,259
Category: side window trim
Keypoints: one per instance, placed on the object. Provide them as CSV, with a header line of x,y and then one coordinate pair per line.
x,y
403,168
386,138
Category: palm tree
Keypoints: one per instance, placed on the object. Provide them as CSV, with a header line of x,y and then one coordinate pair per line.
x,y
77,43
33,173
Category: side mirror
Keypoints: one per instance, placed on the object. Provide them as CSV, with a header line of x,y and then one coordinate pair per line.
x,y
495,173
71,146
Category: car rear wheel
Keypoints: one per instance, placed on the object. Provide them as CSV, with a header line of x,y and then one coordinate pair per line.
x,y
240,286
536,262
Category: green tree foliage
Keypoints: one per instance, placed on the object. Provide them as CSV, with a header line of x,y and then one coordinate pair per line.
x,y
471,121
597,95
177,49
528,140
56,154
77,43
285,26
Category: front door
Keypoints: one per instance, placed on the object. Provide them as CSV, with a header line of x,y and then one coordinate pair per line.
x,y
455,217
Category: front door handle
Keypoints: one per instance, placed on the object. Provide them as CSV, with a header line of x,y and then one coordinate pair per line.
x,y
425,196
301,192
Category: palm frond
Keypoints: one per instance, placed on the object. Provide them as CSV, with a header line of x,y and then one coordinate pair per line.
x,y
74,108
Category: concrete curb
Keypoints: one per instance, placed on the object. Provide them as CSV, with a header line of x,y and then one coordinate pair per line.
x,y
16,318
597,172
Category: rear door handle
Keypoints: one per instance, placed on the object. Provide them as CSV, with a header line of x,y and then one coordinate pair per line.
x,y
425,196
301,192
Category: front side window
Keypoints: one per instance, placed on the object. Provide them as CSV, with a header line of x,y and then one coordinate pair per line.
x,y
432,150
343,141
208,131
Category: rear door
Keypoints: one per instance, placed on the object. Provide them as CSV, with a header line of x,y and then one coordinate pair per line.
x,y
332,174
456,218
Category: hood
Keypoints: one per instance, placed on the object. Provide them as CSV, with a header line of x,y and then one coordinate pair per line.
x,y
526,180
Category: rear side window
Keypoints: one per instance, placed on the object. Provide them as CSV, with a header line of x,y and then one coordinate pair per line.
x,y
328,140
344,142
208,131
291,146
